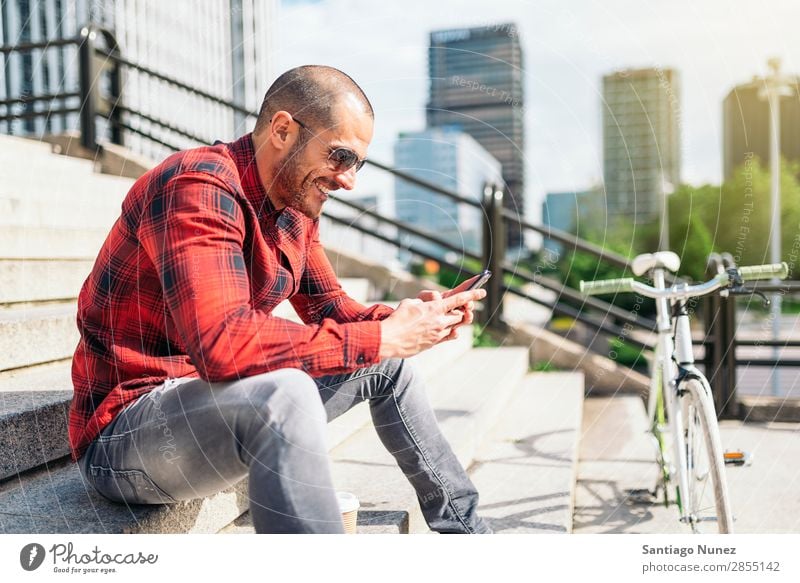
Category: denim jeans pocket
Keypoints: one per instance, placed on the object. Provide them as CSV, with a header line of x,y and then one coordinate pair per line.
x,y
127,486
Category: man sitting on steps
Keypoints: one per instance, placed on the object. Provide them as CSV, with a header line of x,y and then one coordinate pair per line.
x,y
184,381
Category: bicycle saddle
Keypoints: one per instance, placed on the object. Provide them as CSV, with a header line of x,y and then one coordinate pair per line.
x,y
641,264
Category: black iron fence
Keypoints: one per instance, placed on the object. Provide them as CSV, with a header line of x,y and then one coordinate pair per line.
x,y
103,116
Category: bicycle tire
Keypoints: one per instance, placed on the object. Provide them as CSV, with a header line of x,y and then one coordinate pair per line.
x,y
707,501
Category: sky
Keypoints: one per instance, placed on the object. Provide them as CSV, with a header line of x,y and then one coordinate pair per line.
x,y
568,45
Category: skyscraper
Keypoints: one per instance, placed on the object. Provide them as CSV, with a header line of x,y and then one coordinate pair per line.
x,y
453,160
477,85
641,141
222,48
745,125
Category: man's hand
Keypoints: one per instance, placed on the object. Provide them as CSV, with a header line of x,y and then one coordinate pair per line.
x,y
418,324
466,311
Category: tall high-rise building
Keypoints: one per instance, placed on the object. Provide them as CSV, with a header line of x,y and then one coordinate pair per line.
x,y
477,85
450,159
641,141
745,125
222,48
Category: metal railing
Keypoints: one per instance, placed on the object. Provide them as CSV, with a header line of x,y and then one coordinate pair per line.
x,y
104,116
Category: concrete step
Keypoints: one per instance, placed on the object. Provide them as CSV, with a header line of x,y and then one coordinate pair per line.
x,y
33,429
466,400
19,154
41,280
19,242
51,376
32,170
465,409
33,335
27,212
58,178
617,455
35,501
526,469
56,499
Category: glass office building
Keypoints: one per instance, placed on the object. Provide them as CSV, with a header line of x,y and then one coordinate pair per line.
x,y
222,48
451,159
476,77
745,125
641,141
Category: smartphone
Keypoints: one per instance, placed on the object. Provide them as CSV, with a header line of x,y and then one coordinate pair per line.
x,y
481,281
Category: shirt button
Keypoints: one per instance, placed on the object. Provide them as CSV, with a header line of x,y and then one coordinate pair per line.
x,y
360,359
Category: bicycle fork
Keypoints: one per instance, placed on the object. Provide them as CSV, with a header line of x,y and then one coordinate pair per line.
x,y
672,353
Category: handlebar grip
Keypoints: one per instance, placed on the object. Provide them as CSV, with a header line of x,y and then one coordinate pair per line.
x,y
775,270
607,286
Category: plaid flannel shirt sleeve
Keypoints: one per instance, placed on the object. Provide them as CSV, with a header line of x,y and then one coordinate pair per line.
x,y
321,296
193,232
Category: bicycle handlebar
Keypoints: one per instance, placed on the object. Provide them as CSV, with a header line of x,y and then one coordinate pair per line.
x,y
775,270
682,290
607,286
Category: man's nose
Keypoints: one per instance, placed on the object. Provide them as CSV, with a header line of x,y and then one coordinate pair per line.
x,y
347,179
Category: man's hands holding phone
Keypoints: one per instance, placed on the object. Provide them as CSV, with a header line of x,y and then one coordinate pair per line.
x,y
431,318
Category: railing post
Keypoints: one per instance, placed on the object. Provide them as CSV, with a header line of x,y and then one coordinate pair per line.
x,y
713,343
720,357
728,405
86,76
494,244
115,116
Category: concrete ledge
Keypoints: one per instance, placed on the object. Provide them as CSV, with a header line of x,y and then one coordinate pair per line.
x,y
37,280
51,243
387,283
465,400
768,409
35,335
56,499
526,469
601,374
112,159
33,429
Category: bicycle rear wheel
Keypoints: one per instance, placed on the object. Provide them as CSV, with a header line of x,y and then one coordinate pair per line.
x,y
707,502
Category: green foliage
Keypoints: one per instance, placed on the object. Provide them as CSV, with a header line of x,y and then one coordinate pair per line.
x,y
482,339
625,354
733,217
736,215
450,278
543,366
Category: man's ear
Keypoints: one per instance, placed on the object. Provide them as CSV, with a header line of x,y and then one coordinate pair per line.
x,y
280,130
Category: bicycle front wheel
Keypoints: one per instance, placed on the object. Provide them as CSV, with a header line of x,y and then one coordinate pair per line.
x,y
707,502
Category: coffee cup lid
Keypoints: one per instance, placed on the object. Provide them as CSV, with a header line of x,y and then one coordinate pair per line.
x,y
347,501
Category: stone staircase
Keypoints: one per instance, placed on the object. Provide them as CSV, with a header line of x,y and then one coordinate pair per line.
x,y
517,432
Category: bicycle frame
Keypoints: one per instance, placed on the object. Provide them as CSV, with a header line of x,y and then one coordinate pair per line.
x,y
672,352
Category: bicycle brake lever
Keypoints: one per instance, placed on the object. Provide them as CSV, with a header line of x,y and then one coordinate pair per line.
x,y
743,291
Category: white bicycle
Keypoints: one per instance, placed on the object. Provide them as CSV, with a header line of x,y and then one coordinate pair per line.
x,y
680,403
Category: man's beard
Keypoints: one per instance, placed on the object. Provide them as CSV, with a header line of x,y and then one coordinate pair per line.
x,y
290,186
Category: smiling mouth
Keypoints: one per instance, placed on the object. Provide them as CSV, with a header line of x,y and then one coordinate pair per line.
x,y
323,190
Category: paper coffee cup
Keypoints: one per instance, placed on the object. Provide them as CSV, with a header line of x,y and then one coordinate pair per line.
x,y
348,506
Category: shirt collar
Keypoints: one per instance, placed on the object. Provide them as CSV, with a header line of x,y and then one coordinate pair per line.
x,y
243,153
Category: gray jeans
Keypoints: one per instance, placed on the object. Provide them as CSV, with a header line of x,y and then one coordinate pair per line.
x,y
189,439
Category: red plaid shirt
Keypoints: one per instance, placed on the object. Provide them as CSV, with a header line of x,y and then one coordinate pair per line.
x,y
186,280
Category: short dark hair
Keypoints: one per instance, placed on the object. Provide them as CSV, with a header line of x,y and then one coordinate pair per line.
x,y
310,92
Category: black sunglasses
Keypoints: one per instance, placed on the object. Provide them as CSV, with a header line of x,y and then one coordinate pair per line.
x,y
341,159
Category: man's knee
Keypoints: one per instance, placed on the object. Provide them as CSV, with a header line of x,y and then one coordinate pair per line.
x,y
400,374
288,399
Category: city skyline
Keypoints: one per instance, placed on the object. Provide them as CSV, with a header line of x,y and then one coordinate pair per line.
x,y
715,46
